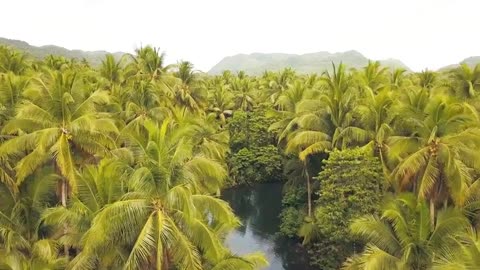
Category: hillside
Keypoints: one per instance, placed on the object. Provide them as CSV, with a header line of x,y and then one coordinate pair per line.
x,y
93,57
471,61
257,63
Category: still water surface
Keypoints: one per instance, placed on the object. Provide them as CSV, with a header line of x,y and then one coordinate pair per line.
x,y
258,208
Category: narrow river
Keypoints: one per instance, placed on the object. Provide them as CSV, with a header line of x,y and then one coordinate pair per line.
x,y
258,208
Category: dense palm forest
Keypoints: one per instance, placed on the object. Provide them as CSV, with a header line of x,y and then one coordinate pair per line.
x,y
122,165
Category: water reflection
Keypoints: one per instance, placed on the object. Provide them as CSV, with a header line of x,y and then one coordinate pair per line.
x,y
258,208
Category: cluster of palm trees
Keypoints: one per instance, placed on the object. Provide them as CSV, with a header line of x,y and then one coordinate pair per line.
x,y
113,167
120,166
425,129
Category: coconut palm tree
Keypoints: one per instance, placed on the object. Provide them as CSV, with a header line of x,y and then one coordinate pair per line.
x,y
243,89
465,81
98,186
373,76
376,116
166,217
328,126
24,241
291,105
220,100
13,61
112,71
145,100
189,92
463,253
398,79
435,159
427,79
274,84
403,237
59,122
11,89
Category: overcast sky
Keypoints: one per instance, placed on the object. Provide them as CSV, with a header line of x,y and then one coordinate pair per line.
x,y
421,33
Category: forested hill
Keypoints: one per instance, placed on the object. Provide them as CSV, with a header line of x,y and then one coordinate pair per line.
x,y
256,63
93,57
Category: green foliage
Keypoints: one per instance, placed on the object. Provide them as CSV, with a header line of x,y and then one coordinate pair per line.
x,y
351,185
292,219
250,129
254,157
255,165
293,212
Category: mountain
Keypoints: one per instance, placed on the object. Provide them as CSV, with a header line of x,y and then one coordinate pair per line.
x,y
93,57
472,61
256,63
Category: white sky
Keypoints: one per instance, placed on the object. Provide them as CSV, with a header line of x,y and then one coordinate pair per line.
x,y
421,33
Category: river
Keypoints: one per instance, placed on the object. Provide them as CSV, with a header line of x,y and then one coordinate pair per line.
x,y
258,208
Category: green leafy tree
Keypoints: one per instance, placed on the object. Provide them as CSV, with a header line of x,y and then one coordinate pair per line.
x,y
351,185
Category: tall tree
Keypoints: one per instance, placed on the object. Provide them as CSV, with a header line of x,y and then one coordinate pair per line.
x,y
436,157
167,216
403,237
59,121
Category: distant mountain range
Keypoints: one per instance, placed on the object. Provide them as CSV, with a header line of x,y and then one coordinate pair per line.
x,y
93,57
255,63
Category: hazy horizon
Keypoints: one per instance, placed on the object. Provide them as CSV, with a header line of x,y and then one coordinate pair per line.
x,y
422,34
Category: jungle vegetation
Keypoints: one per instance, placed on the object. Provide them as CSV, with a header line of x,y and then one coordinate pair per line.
x,y
121,166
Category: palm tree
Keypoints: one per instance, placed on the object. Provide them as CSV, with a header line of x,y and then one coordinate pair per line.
x,y
59,121
243,90
24,242
145,100
189,93
220,99
397,79
11,89
112,71
323,129
436,158
275,84
98,186
148,63
465,81
373,76
291,105
463,253
328,126
376,115
13,61
427,79
167,216
58,63
403,237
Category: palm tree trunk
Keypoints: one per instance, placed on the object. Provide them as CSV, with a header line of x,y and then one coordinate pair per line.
x,y
63,200
309,190
384,165
64,192
432,214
